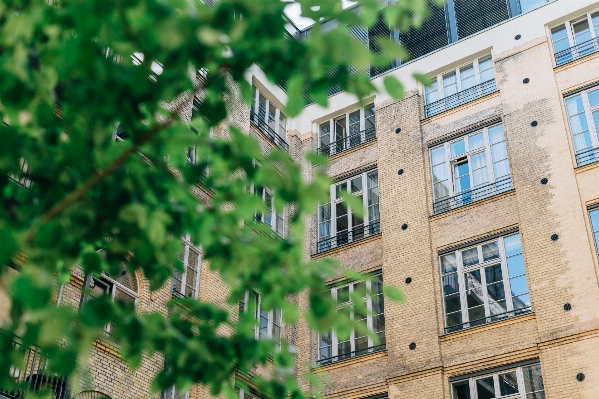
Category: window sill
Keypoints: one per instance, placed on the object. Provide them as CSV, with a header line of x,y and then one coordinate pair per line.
x,y
351,361
530,315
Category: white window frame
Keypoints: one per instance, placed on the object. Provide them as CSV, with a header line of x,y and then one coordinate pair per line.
x,y
569,25
495,375
451,161
113,286
270,315
173,393
352,337
461,270
594,229
331,122
588,113
277,218
439,78
188,246
277,120
334,201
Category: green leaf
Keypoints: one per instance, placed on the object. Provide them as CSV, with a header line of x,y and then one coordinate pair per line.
x,y
393,87
393,293
424,79
8,247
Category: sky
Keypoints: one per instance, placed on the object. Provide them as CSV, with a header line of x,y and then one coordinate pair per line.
x,y
293,11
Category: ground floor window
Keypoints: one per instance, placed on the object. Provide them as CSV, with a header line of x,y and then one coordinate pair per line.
x,y
518,382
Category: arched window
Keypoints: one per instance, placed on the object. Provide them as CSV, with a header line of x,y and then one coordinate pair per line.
x,y
122,288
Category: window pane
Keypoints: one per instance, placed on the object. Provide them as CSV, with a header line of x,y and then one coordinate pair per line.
x,y
574,105
354,122
441,189
450,284
450,84
470,257
377,285
461,390
498,152
462,177
369,118
343,294
594,97
496,134
448,263
263,331
476,141
533,380
378,304
378,323
508,383
325,134
342,222
485,388
432,92
522,301
595,219
439,173
578,123
474,296
501,168
512,245
356,185
467,76
515,265
581,31
452,303
519,285
438,155
490,251
457,148
560,38
325,345
485,68
454,319
340,128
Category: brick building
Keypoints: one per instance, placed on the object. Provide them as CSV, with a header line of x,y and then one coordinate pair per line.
x,y
481,203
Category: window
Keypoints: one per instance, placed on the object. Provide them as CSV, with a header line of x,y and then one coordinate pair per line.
x,y
270,322
524,382
583,115
332,348
174,393
484,283
594,215
576,38
470,168
347,131
251,394
472,81
266,116
122,289
271,217
186,283
338,224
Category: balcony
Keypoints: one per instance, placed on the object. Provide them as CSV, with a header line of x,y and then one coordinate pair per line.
x,y
575,52
460,98
32,377
587,156
470,196
268,131
348,142
487,320
346,237
351,355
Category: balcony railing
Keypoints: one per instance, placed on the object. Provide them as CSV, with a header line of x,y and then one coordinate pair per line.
x,y
587,156
32,376
470,196
346,237
575,52
350,355
348,142
460,98
268,131
487,320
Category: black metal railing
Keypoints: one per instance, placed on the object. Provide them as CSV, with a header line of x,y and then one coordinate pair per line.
x,y
268,131
348,142
575,52
587,156
178,294
487,320
460,98
346,237
33,377
350,355
470,196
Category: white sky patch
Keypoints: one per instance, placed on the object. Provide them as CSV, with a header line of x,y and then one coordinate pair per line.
x,y
294,10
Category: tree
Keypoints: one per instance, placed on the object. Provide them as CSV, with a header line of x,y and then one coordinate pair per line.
x,y
76,71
